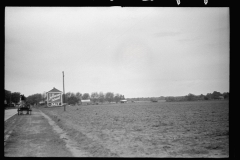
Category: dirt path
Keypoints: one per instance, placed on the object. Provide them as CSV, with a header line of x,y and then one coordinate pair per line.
x,y
34,136
9,113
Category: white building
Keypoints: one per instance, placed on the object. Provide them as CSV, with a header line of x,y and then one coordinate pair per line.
x,y
86,102
54,97
221,97
123,101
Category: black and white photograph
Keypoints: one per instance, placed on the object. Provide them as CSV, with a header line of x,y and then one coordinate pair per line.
x,y
116,81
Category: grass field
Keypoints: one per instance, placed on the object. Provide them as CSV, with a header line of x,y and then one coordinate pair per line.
x,y
163,129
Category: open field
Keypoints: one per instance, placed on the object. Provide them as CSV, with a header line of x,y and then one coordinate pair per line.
x,y
164,129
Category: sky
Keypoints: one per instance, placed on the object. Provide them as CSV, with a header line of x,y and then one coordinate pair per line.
x,y
134,51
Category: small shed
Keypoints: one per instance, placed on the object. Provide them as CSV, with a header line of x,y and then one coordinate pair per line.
x,y
86,102
123,101
221,97
41,102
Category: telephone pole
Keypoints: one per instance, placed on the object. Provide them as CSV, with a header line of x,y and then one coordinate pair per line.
x,y
64,94
10,98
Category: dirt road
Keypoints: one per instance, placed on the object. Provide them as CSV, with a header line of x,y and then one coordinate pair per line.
x,y
36,136
9,113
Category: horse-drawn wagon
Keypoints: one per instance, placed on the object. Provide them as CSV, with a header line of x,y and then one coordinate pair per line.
x,y
24,107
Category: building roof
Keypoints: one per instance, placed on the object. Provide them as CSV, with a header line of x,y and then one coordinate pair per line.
x,y
55,90
124,100
86,100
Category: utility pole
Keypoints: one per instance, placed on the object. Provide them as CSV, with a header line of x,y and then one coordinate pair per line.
x,y
10,98
64,94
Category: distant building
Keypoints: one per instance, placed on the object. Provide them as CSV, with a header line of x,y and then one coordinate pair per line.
x,y
221,97
86,102
123,101
41,102
54,98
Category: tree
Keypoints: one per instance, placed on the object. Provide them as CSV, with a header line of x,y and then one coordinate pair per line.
x,y
226,95
94,97
201,97
67,96
191,97
101,97
79,96
215,95
30,99
117,98
121,97
170,99
15,97
33,99
109,96
7,96
85,96
153,99
72,99
161,98
208,96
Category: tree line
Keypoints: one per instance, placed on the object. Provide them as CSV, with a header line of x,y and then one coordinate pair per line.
x,y
68,98
95,97
14,98
192,97
189,97
11,97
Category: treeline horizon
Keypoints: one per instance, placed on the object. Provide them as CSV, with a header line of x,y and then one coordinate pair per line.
x,y
100,97
68,98
189,97
96,97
